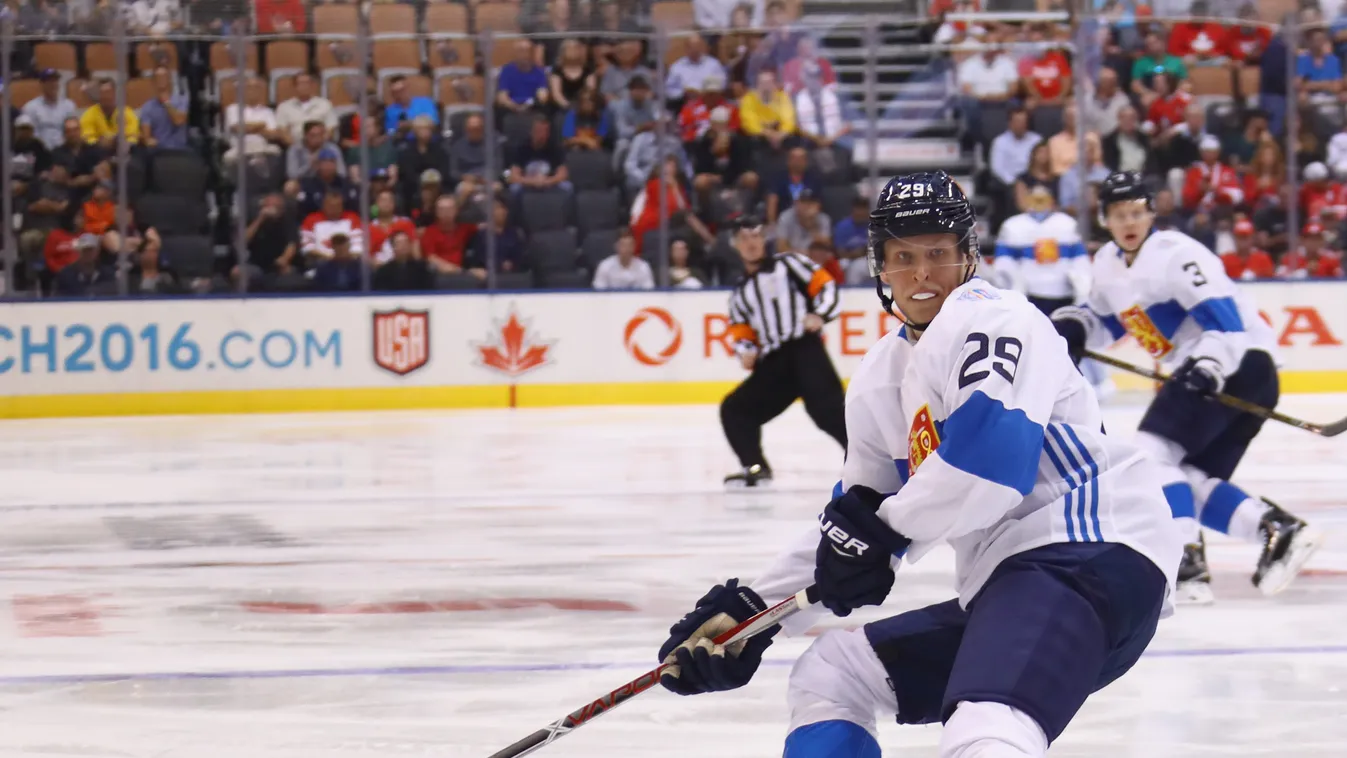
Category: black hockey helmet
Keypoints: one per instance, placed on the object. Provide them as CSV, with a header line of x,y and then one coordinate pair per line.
x,y
1124,186
926,202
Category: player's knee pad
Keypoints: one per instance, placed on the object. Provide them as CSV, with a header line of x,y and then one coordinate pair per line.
x,y
991,730
839,678
831,739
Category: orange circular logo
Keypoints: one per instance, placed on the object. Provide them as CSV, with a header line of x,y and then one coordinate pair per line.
x,y
671,328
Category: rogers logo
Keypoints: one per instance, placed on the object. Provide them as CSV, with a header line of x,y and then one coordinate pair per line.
x,y
671,328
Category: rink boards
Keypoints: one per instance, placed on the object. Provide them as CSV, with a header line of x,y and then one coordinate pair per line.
x,y
80,358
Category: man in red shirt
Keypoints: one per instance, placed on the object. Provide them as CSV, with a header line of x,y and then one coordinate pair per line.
x,y
1318,194
1046,76
1246,261
695,118
1197,42
279,16
1313,260
1246,44
444,242
1209,182
315,234
385,224
1170,105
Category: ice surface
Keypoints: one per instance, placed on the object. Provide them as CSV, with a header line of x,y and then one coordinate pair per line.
x,y
445,583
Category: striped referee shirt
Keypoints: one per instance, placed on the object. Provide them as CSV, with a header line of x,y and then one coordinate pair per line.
x,y
767,309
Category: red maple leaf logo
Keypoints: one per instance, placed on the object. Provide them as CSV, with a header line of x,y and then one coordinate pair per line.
x,y
510,352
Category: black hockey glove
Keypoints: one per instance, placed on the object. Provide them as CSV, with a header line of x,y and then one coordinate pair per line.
x,y
1200,375
699,664
852,564
1073,331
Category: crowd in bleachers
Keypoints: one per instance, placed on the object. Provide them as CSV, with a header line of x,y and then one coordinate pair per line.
x,y
1197,103
570,182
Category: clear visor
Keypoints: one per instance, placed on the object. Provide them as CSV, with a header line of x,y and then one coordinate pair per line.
x,y
899,255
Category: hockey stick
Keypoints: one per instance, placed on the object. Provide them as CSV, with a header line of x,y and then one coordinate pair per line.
x,y
1323,430
559,728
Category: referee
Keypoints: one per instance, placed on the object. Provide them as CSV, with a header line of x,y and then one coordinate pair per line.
x,y
776,312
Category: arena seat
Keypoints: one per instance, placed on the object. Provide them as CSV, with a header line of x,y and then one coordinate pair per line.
x,y
545,210
597,209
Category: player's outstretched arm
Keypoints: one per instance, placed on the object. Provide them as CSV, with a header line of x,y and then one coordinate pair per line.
x,y
1087,326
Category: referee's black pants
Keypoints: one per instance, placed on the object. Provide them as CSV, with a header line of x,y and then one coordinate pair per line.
x,y
799,369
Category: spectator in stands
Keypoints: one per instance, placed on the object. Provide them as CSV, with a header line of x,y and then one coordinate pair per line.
x,y
1272,82
148,276
1317,192
645,209
695,118
587,125
627,66
60,247
467,154
422,208
1011,149
1246,261
343,271
1313,260
1038,174
540,163
807,62
722,157
779,45
423,154
1264,175
153,17
325,179
623,270
444,242
100,212
273,243
1199,42
1177,146
50,110
383,153
632,114
802,224
736,49
1337,145
511,250
1128,148
29,157
767,113
1167,210
1318,70
256,121
1064,146
572,75
714,16
405,270
644,155
85,272
851,237
222,17
1309,148
40,17
403,110
1104,104
136,238
1155,60
50,202
1246,42
521,84
1209,182
819,113
1240,147
164,116
988,77
688,75
1046,76
294,115
301,161
1170,104
79,157
384,223
797,178
1069,187
682,275
100,124
318,228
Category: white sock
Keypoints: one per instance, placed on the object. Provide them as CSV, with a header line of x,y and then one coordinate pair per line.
x,y
991,730
1190,528
1244,521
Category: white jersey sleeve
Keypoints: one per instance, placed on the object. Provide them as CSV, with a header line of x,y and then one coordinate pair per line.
x,y
1200,286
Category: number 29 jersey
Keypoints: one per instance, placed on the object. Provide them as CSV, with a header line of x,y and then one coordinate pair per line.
x,y
983,435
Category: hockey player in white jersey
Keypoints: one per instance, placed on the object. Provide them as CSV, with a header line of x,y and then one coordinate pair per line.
x,y
1172,294
969,426
1039,254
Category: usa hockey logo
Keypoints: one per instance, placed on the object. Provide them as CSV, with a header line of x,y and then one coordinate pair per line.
x,y
401,340
922,440
1139,325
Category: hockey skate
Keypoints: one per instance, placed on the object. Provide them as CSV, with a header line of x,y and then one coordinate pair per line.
x,y
1194,583
753,476
1288,543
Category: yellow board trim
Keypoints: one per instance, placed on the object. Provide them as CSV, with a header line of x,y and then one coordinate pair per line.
x,y
478,396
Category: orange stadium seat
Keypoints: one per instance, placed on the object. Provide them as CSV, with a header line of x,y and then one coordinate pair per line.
x,y
1210,80
138,92
23,90
446,18
502,18
392,19
335,19
58,55
672,15
152,54
100,59
462,91
78,90
222,57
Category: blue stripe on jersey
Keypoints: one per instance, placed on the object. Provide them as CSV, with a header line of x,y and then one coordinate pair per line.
x,y
1070,492
984,438
1180,498
837,490
1017,253
1071,249
1113,325
1086,484
1167,316
901,465
1094,478
1221,505
1218,314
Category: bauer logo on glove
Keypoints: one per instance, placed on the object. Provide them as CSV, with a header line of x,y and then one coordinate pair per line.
x,y
843,543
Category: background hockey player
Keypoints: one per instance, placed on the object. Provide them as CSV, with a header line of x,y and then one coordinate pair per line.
x,y
1064,544
776,313
1172,294
1039,254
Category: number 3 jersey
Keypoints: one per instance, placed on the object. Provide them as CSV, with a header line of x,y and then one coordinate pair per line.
x,y
1176,300
985,436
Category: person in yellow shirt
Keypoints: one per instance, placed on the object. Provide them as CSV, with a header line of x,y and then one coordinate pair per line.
x,y
98,125
767,111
